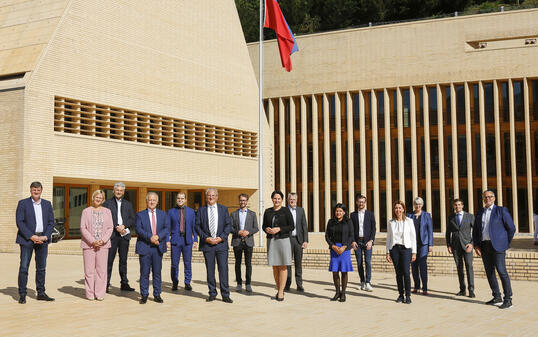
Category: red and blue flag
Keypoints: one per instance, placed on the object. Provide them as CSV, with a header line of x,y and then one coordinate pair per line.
x,y
275,20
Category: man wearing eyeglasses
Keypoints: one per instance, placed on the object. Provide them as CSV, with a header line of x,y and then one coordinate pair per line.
x,y
492,233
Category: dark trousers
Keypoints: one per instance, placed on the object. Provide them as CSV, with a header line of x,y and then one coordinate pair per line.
x,y
176,251
496,260
238,252
221,256
420,268
361,250
152,261
121,246
460,256
297,254
401,259
41,252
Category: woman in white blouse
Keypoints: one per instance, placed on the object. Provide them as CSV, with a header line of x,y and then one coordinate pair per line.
x,y
401,249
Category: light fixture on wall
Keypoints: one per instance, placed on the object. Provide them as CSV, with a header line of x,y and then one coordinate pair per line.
x,y
530,41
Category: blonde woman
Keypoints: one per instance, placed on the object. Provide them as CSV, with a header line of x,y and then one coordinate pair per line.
x,y
401,249
96,227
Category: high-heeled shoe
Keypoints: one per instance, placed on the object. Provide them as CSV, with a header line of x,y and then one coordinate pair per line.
x,y
279,299
336,297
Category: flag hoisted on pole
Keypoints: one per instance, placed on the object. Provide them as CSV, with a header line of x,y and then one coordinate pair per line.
x,y
275,20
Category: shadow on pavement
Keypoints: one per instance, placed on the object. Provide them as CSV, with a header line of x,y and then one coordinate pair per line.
x,y
14,293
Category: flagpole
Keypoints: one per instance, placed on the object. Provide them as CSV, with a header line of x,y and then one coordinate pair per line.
x,y
260,131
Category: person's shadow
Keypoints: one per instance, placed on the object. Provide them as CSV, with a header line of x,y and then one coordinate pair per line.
x,y
14,293
73,291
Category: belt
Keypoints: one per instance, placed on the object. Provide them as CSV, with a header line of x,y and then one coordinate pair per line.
x,y
361,238
39,233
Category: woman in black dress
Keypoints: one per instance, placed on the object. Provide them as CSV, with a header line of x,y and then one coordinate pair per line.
x,y
278,224
339,236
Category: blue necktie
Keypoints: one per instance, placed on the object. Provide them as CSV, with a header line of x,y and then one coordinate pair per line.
x,y
458,219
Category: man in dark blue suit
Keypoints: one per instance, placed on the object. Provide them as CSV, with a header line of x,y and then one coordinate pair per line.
x,y
153,228
364,236
35,220
182,239
213,225
492,233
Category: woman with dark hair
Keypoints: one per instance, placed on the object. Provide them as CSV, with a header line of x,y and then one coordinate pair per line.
x,y
278,224
339,236
401,249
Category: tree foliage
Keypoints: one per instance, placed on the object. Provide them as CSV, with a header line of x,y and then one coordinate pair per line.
x,y
310,16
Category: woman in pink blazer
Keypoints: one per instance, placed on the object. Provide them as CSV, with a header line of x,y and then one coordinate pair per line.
x,y
96,228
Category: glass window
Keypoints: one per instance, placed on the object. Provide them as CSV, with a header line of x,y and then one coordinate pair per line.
x,y
383,216
194,199
332,112
534,99
357,161
78,200
504,101
491,155
447,105
170,200
475,107
434,157
436,214
432,97
356,111
460,103
396,160
380,109
58,202
406,108
521,162
382,167
488,102
333,161
507,165
519,113
422,157
536,158
449,163
462,157
522,211
407,158
478,158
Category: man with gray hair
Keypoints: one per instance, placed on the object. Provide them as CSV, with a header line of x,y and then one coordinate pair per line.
x,y
299,241
123,218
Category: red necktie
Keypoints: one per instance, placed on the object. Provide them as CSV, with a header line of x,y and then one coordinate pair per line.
x,y
181,220
153,223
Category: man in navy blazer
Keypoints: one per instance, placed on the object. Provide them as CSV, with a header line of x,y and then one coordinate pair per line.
x,y
182,239
364,236
213,225
153,228
492,233
35,221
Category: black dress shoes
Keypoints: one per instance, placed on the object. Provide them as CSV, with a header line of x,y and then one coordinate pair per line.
x,y
174,287
126,287
336,297
407,300
506,304
188,287
494,301
461,293
22,299
158,299
400,299
143,300
471,294
300,289
211,298
44,297
227,300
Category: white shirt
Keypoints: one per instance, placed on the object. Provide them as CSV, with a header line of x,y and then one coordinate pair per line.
x,y
242,218
150,212
361,223
38,216
294,215
120,219
402,233
485,223
216,215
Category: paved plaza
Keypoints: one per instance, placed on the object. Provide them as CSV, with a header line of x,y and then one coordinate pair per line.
x,y
309,314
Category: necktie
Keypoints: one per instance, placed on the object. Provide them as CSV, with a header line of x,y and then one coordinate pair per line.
x,y
458,218
181,226
212,226
153,223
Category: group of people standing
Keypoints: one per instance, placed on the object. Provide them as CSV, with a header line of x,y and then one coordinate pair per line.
x,y
106,231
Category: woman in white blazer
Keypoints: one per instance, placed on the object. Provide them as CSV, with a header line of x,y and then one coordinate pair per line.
x,y
401,249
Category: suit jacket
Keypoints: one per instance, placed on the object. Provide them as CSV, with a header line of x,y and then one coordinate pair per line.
x,y
173,216
459,235
426,228
301,227
347,233
127,215
143,230
251,225
26,221
368,225
501,228
224,227
86,228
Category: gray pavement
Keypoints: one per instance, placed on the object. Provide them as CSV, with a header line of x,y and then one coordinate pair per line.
x,y
309,314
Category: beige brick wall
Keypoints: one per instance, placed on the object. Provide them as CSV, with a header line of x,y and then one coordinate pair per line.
x,y
11,131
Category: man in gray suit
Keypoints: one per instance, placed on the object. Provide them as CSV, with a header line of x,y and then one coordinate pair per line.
x,y
244,226
459,243
299,241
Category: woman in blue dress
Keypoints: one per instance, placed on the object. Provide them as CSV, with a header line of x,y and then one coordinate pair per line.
x,y
339,236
